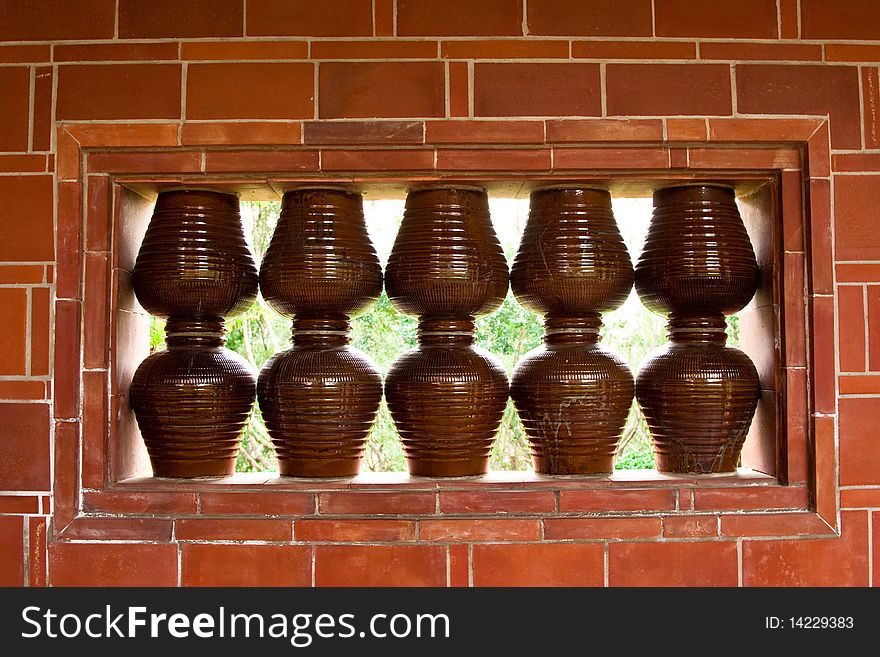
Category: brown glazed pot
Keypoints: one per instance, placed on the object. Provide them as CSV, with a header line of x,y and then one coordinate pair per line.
x,y
447,397
193,400
698,396
572,395
319,398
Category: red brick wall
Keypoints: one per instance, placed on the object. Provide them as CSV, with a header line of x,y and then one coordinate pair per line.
x,y
187,79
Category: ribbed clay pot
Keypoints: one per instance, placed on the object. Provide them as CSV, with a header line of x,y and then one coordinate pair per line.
x,y
447,397
193,400
320,397
698,395
572,395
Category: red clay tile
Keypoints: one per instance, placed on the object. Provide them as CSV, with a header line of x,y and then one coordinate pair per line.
x,y
13,338
354,531
851,327
118,529
477,132
65,481
255,161
860,498
96,311
104,135
855,162
113,564
12,549
263,502
167,19
794,305
824,355
459,89
364,132
232,529
95,428
68,323
686,130
825,463
847,52
56,20
537,89
459,565
17,274
860,385
858,272
495,502
642,499
41,299
154,503
459,18
421,159
504,49
556,529
254,565
98,91
137,162
690,526
610,158
667,89
396,49
792,211
539,564
811,562
633,50
275,91
757,130
21,390
68,156
589,17
856,218
784,89
19,504
842,19
305,18
26,229
24,163
747,19
98,214
789,19
859,448
241,134
239,50
450,159
819,153
28,54
604,130
14,107
115,52
369,503
69,238
744,158
737,498
37,552
773,524
395,565
821,259
672,564
360,90
383,17
736,51
489,529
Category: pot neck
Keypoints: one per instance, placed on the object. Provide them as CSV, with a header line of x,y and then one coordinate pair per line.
x,y
446,331
204,332
706,329
325,331
583,329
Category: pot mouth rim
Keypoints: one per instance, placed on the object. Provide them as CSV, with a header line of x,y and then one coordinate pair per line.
x,y
716,185
434,187
201,189
592,187
329,187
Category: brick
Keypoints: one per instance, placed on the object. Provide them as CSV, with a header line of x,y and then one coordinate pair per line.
x,y
118,529
369,503
858,272
68,315
68,157
104,135
855,217
847,52
459,89
857,498
378,160
824,355
672,564
96,311
667,89
871,107
156,162
26,229
643,499
744,158
95,428
97,91
604,130
20,390
21,274
270,160
789,20
605,50
43,119
115,52
459,565
821,260
24,462
167,19
504,49
686,130
237,529
40,328
537,159
25,54
238,50
600,528
476,132
98,214
819,153
794,305
537,89
480,530
69,238
690,526
396,49
751,130
254,565
537,564
860,385
825,489
497,502
397,565
610,158
12,549
23,163
747,19
818,562
858,446
792,212
589,17
360,90
383,17
843,19
305,18
354,531
773,524
784,89
241,134
275,91
855,162
737,498
735,51
15,108
19,504
113,564
154,503
13,318
459,18
364,132
65,481
263,503
55,20
851,328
